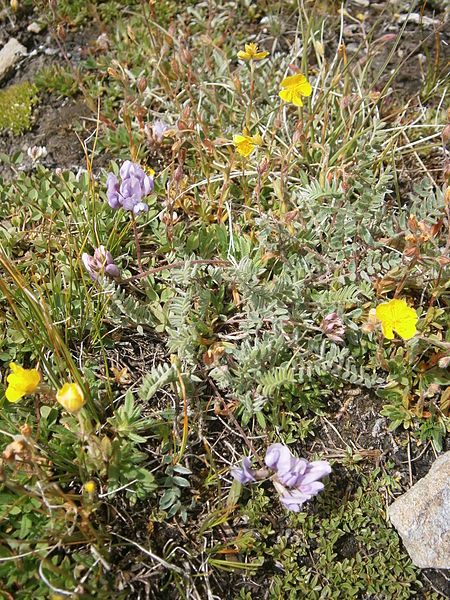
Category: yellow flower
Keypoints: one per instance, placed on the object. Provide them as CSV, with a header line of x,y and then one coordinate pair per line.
x,y
294,88
71,397
396,315
90,487
246,144
251,53
21,382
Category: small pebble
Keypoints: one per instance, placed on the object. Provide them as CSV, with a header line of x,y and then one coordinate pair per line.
x,y
35,27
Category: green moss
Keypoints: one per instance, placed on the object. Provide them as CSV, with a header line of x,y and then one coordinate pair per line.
x,y
16,103
342,546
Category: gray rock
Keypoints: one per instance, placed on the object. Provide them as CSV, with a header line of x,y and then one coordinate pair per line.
x,y
10,54
421,517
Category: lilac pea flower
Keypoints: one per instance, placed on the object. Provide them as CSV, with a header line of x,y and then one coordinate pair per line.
x,y
294,499
288,468
105,260
244,474
90,265
158,130
296,479
112,191
314,471
101,262
128,191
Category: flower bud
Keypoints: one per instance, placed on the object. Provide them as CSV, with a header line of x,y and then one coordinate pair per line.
x,y
371,323
186,56
25,430
333,327
444,362
71,397
178,174
446,134
142,84
263,166
237,84
101,262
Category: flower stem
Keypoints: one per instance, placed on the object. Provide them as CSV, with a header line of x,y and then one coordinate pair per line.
x,y
178,265
138,244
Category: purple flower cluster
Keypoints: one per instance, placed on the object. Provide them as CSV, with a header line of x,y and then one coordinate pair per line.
x,y
128,192
296,479
101,263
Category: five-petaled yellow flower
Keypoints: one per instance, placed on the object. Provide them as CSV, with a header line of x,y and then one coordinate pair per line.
x,y
71,397
252,53
294,88
245,144
397,316
21,382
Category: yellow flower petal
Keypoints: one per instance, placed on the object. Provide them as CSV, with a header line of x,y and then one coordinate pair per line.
x,y
387,330
13,394
406,329
297,81
245,149
90,487
286,95
244,144
384,312
243,55
297,99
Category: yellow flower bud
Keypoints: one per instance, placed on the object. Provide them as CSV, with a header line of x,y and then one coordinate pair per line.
x,y
71,397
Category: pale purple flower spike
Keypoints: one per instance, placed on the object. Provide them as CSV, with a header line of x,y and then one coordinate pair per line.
x,y
245,473
101,262
134,185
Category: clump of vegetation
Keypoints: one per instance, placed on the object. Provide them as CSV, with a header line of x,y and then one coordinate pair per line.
x,y
16,107
57,80
249,262
344,547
